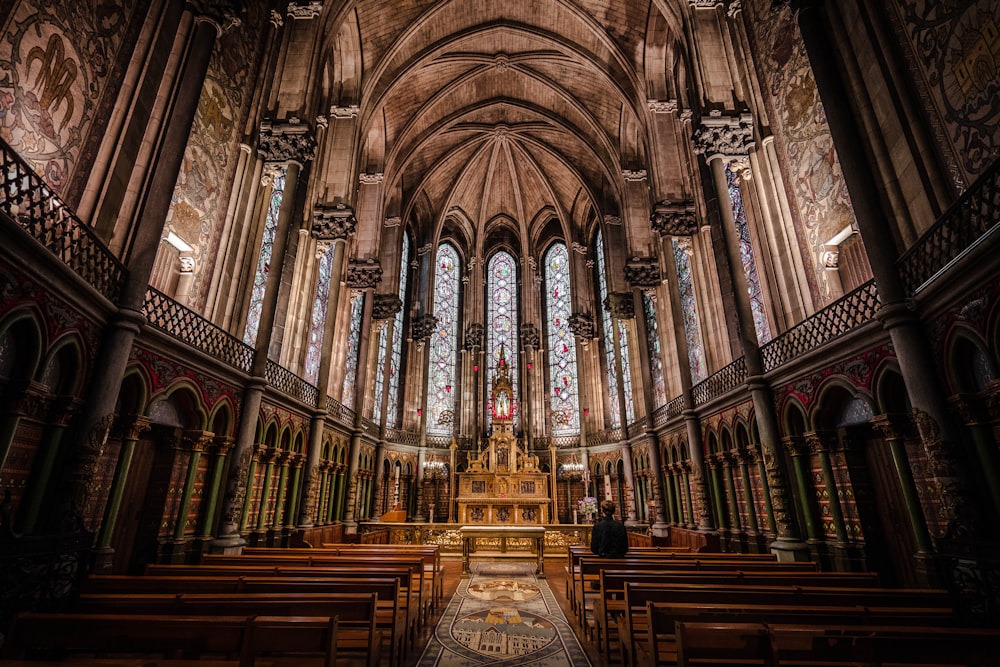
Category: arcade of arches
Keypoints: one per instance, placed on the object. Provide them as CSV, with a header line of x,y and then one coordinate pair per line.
x,y
261,262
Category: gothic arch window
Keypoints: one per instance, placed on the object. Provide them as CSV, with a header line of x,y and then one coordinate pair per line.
x,y
747,256
347,396
653,345
608,324
264,259
444,343
320,303
564,401
391,351
689,310
501,313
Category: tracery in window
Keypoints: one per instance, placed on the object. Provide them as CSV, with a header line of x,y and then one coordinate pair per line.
x,y
606,323
444,342
653,345
396,358
564,401
747,257
317,323
264,259
501,314
347,396
689,311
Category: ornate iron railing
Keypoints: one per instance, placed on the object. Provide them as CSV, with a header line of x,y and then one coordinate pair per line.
x,y
437,440
339,411
607,435
25,198
968,220
561,441
186,325
640,425
290,384
721,382
369,427
843,315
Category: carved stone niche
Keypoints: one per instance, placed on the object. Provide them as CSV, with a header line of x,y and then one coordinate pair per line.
x,y
529,336
362,274
582,326
674,218
333,221
473,337
385,306
642,272
423,326
620,305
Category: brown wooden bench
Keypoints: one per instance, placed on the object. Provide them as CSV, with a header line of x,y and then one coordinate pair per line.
x,y
390,614
774,645
235,640
610,599
660,646
357,632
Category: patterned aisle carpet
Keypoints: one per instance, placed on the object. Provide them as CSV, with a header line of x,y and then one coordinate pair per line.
x,y
503,616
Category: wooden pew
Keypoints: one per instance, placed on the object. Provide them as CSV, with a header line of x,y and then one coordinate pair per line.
x,y
420,585
163,639
777,645
356,612
610,600
403,573
660,646
390,616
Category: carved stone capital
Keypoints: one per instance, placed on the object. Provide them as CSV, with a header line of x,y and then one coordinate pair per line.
x,y
344,112
724,136
795,444
290,141
734,8
662,106
362,274
705,4
612,219
642,272
131,427
473,338
422,327
385,306
222,445
303,11
634,174
674,218
620,305
196,440
582,326
529,336
818,442
333,221
371,179
392,221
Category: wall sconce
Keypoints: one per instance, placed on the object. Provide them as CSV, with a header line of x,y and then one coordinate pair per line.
x,y
475,369
528,365
420,411
586,411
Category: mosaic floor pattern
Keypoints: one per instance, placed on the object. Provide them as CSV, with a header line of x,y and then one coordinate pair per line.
x,y
503,616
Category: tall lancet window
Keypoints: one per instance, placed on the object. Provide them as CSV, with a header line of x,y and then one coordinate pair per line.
x,y
653,344
317,324
393,350
501,315
747,257
444,343
689,310
264,259
347,397
609,345
564,394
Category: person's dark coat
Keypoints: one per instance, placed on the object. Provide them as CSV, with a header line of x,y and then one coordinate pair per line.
x,y
609,538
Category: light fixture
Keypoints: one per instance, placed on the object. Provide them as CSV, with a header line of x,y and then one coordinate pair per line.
x,y
529,365
475,369
420,411
586,411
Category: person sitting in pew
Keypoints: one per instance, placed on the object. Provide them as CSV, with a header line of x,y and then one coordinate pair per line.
x,y
609,538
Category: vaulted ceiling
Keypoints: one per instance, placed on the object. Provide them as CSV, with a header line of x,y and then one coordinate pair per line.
x,y
508,114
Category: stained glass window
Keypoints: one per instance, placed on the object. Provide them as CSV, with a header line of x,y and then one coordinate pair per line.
x,y
653,344
564,391
747,256
383,348
317,324
609,335
264,260
689,308
396,358
443,343
626,372
353,348
501,316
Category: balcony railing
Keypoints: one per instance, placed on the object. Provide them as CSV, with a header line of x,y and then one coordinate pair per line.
x,y
184,324
25,198
721,382
967,221
290,384
843,315
339,411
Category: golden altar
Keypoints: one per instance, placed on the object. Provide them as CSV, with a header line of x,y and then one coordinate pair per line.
x,y
534,534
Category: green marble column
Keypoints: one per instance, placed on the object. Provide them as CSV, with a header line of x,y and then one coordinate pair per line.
x,y
59,413
268,458
721,515
194,443
758,460
744,458
220,449
727,464
691,522
280,498
819,445
800,463
248,494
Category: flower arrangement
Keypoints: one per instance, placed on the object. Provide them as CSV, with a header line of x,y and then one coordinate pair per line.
x,y
587,505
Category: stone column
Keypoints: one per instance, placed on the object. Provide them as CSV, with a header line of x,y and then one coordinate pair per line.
x,y
268,456
720,139
254,455
57,413
668,485
744,459
714,464
332,224
799,450
758,460
820,443
281,504
422,328
129,430
528,335
290,143
220,450
195,442
686,480
728,462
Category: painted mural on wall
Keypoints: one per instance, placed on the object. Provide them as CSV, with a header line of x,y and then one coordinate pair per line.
x,y
56,63
201,195
954,48
798,121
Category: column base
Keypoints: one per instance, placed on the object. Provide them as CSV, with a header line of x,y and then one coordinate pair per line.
x,y
790,550
231,544
350,527
104,560
661,529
